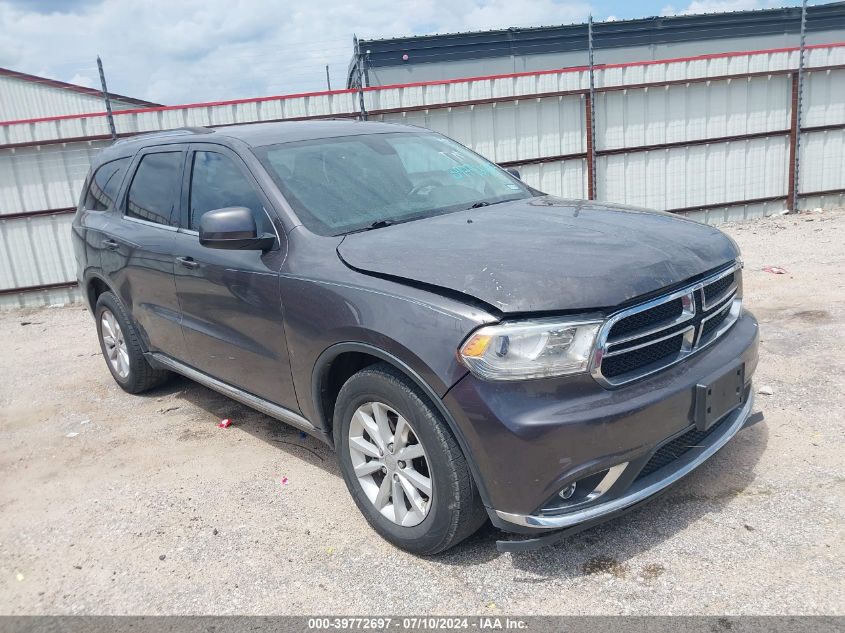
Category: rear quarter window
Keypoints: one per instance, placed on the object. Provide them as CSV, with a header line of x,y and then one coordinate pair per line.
x,y
102,190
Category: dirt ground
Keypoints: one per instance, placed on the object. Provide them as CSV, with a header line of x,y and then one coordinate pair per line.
x,y
119,504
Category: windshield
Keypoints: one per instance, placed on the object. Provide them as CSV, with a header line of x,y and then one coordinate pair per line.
x,y
349,183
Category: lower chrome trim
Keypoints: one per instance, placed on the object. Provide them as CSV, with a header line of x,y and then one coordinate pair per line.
x,y
260,404
638,493
608,480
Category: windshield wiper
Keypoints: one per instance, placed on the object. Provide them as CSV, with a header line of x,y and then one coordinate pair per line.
x,y
378,224
479,204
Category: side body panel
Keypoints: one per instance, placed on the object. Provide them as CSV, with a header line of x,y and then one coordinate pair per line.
x,y
88,231
327,303
232,315
137,259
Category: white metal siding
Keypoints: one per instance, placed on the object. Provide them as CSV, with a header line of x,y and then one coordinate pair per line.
x,y
822,159
567,179
689,112
44,177
526,128
29,99
697,175
518,130
36,251
824,98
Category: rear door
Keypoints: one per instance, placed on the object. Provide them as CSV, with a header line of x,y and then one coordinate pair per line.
x,y
94,214
232,314
138,244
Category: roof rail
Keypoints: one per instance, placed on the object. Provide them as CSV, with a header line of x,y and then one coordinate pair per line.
x,y
165,133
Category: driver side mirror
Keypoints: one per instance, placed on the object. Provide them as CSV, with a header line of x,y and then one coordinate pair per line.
x,y
513,172
233,228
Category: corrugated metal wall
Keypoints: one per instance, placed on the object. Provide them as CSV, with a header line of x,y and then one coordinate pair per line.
x,y
707,136
33,97
40,177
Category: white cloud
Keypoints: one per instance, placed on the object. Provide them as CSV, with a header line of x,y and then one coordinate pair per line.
x,y
199,50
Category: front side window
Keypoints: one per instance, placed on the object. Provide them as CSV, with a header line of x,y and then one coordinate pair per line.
x,y
104,185
154,192
217,183
338,185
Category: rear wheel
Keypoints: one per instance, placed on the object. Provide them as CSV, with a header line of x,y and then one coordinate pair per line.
x,y
402,465
122,349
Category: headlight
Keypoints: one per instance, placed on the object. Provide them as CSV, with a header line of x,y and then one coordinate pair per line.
x,y
530,349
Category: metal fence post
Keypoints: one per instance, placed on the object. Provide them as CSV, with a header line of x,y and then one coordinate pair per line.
x,y
359,62
795,122
591,118
328,79
107,99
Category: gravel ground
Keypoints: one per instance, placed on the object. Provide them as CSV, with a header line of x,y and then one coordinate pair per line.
x,y
119,504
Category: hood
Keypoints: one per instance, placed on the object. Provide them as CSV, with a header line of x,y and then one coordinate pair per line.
x,y
543,254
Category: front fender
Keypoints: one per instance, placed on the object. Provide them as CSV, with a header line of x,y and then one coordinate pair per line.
x,y
319,376
418,328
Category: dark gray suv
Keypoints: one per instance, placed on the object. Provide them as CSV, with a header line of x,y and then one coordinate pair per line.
x,y
472,348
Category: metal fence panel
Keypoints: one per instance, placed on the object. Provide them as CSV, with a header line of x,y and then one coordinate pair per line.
x,y
45,176
697,175
824,98
822,160
537,121
509,131
36,251
36,98
567,179
688,112
154,119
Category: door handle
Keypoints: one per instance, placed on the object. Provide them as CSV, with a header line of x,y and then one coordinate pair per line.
x,y
111,245
188,262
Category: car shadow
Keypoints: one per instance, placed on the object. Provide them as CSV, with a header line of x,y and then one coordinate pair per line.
x,y
283,436
603,548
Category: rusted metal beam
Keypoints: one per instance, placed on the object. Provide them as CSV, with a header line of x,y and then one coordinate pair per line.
x,y
740,203
792,181
544,159
719,205
55,286
35,214
591,154
822,128
824,192
691,143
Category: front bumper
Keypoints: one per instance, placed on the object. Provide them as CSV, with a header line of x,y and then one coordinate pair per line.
x,y
643,488
530,439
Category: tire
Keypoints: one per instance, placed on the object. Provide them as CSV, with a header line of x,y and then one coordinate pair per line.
x,y
452,511
128,366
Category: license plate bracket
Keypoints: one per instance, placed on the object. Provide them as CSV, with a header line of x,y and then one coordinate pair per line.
x,y
717,397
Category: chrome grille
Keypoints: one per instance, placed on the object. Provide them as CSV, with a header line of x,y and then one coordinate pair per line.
x,y
638,341
664,312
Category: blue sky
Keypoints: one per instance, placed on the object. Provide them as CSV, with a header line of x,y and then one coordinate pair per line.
x,y
181,51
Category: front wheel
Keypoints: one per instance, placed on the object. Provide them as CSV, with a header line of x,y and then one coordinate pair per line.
x,y
402,465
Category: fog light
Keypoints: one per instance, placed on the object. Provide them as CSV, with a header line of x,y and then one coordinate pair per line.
x,y
567,492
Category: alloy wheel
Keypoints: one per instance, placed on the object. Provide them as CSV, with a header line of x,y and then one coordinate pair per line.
x,y
390,463
117,353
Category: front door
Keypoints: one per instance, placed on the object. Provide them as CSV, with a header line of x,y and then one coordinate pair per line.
x,y
137,247
232,315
